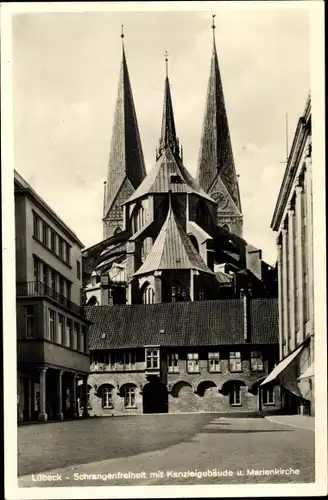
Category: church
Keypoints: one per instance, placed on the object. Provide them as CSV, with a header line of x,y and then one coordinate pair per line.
x,y
184,310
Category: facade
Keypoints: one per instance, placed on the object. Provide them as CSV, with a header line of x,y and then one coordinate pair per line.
x,y
183,357
184,309
293,221
52,330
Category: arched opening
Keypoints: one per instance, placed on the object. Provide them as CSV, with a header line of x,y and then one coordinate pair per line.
x,y
106,392
194,241
93,301
181,388
117,230
226,227
129,392
155,398
146,247
147,294
138,218
232,388
204,386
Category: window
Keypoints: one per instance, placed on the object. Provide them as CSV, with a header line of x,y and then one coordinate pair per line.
x,y
148,295
52,336
107,397
68,332
146,247
78,269
214,362
75,335
67,253
129,360
129,396
69,289
61,285
234,395
45,233
60,329
256,361
268,396
45,275
61,248
235,362
36,269
53,241
193,362
194,242
36,226
173,363
54,280
30,322
179,293
152,359
82,339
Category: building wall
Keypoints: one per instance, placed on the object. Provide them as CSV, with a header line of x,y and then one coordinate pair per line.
x,y
187,392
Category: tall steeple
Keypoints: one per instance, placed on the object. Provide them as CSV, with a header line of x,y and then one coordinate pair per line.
x,y
216,170
168,134
126,168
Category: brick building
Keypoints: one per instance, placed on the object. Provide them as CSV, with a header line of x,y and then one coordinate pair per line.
x,y
293,221
180,301
52,330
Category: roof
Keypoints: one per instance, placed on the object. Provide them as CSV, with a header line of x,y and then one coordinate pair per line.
x,y
172,250
215,154
24,187
202,323
126,156
168,134
159,179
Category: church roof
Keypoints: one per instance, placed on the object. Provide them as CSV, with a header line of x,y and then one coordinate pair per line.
x,y
194,324
126,156
215,155
169,173
168,134
172,250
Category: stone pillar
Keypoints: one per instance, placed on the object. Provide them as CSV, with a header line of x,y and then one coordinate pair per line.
x,y
280,298
74,395
309,229
59,414
43,417
299,256
291,278
85,396
285,290
158,286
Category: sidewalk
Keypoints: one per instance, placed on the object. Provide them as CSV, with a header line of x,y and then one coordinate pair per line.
x,y
300,421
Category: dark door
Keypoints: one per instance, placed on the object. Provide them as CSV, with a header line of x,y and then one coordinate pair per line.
x,y
155,398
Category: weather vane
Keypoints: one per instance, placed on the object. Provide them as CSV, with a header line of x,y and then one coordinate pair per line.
x,y
213,23
122,31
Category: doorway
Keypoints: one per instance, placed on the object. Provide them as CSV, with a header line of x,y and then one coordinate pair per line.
x,y
155,398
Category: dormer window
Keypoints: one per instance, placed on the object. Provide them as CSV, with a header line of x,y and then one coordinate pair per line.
x,y
175,179
152,358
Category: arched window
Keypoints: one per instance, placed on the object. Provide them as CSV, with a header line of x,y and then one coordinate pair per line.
x,y
117,230
194,241
179,292
107,396
148,295
226,227
139,219
129,393
146,247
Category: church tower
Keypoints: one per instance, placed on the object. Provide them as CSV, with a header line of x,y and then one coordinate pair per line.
x,y
126,168
216,172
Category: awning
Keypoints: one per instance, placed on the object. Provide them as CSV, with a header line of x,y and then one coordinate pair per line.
x,y
309,372
282,366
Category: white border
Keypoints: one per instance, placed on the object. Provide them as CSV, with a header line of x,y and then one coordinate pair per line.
x,y
9,317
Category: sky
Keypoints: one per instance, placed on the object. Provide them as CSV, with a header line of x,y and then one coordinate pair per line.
x,y
65,77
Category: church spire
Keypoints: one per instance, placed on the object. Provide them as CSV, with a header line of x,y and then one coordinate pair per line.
x,y
215,155
168,134
126,168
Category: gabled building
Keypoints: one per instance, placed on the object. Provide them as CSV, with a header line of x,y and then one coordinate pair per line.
x,y
179,301
53,359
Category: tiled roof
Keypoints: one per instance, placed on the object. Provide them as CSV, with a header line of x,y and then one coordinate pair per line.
x,y
159,179
215,155
172,250
126,156
203,323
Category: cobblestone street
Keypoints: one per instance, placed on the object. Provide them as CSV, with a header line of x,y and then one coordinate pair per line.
x,y
152,449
